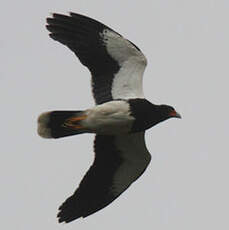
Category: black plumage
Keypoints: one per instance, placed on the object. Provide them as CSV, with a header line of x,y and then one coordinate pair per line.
x,y
83,36
94,191
147,114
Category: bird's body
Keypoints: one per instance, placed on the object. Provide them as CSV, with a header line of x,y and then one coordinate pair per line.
x,y
110,118
119,119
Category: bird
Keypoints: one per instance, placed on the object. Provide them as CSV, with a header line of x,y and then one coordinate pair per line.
x,y
119,119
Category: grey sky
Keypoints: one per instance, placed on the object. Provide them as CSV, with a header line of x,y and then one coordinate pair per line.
x,y
186,184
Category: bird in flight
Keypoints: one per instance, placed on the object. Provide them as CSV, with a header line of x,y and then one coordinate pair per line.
x,y
119,118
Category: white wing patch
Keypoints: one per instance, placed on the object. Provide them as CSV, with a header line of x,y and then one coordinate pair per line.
x,y
135,160
127,81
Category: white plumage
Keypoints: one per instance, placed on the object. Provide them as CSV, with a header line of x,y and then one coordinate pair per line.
x,y
110,118
135,156
127,82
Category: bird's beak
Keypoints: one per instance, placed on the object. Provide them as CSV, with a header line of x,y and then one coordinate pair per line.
x,y
174,113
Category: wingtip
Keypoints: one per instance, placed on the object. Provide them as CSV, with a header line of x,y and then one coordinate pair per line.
x,y
60,219
64,218
69,211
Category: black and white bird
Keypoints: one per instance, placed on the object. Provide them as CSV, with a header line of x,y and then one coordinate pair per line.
x,y
119,119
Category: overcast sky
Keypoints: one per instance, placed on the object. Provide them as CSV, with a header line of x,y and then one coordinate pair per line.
x,y
186,184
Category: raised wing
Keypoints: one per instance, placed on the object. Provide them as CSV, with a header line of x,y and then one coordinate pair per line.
x,y
116,64
119,161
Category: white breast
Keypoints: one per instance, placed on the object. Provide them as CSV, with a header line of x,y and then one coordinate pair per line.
x,y
109,118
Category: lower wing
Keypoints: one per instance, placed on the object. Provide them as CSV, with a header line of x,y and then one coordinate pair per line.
x,y
119,161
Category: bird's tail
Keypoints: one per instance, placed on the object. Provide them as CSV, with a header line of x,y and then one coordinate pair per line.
x,y
56,124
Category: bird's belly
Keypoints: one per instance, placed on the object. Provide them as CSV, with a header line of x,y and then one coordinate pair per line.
x,y
109,124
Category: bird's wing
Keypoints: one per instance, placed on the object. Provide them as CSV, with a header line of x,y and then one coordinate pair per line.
x,y
119,161
116,64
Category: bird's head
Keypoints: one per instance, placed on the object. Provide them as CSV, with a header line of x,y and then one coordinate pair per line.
x,y
168,111
147,114
160,113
